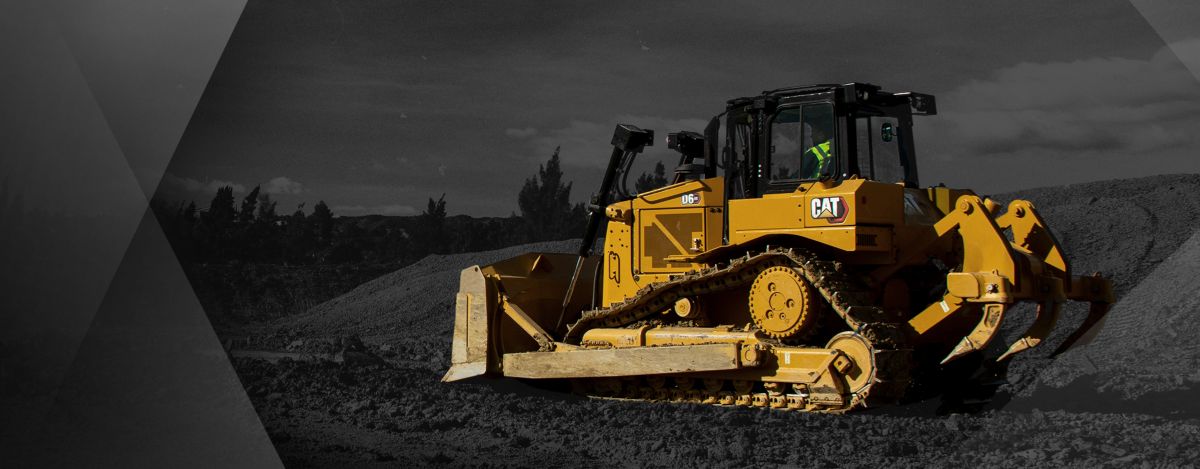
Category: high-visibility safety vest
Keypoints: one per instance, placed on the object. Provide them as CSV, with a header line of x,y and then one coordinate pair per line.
x,y
819,151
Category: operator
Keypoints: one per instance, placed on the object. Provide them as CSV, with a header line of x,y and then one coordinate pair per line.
x,y
819,156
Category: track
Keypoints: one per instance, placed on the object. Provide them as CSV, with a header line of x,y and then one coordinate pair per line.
x,y
847,296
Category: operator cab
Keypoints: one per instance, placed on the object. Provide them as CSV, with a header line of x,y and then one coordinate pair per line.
x,y
783,138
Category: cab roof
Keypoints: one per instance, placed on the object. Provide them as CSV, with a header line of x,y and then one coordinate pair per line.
x,y
851,93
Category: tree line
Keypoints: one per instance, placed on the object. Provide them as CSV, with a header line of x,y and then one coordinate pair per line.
x,y
251,229
248,261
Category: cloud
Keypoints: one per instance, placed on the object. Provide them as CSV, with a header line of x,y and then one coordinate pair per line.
x,y
193,185
521,133
587,144
1069,110
283,185
389,210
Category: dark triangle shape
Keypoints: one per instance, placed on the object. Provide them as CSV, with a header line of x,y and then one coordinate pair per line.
x,y
151,385
147,63
1176,23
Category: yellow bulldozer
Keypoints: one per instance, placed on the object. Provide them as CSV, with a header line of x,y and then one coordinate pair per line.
x,y
793,263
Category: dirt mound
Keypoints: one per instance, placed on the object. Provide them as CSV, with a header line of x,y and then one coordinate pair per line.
x,y
412,307
414,299
1124,229
1148,343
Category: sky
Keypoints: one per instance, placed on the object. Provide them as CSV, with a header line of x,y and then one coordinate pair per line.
x,y
376,106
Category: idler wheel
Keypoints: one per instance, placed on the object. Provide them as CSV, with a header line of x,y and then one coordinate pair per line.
x,y
782,303
858,371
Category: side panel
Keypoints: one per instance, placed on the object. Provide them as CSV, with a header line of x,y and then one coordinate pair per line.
x,y
853,216
669,221
672,221
669,232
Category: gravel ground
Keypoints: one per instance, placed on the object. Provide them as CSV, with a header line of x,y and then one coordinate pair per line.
x,y
323,414
380,402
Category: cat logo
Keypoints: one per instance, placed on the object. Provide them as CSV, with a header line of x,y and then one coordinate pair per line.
x,y
833,209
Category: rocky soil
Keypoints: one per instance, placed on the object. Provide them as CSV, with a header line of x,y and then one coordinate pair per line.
x,y
324,414
1128,398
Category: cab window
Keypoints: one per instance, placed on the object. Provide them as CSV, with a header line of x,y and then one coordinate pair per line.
x,y
879,156
802,143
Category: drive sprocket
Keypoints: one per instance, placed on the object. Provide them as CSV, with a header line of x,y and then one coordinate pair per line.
x,y
783,304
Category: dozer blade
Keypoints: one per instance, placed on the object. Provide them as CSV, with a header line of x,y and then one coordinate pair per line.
x,y
1088,330
469,354
1046,316
512,306
982,334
